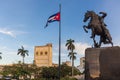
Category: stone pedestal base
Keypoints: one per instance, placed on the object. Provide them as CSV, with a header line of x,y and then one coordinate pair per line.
x,y
102,63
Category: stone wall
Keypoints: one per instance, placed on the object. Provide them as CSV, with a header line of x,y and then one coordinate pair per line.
x,y
102,63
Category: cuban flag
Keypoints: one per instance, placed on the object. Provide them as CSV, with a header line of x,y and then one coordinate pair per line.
x,y
52,18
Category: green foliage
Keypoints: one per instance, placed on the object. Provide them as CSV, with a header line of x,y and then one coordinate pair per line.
x,y
19,70
65,70
45,73
67,78
77,72
49,72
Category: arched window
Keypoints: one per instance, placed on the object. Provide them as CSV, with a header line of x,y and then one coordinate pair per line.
x,y
37,53
46,53
41,53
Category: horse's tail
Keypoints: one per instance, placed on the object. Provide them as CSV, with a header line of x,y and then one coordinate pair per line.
x,y
108,35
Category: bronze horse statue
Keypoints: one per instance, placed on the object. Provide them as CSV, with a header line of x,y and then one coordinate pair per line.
x,y
98,27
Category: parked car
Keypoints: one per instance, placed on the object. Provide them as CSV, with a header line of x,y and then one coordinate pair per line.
x,y
7,78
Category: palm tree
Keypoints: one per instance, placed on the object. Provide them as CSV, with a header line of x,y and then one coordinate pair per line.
x,y
0,56
22,52
71,47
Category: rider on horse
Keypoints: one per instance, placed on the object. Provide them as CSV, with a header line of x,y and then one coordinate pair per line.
x,y
98,27
103,25
101,18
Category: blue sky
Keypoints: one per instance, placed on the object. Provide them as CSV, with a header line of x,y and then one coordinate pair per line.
x,y
22,23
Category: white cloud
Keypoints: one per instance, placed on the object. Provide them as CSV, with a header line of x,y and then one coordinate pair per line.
x,y
11,32
9,55
80,47
7,32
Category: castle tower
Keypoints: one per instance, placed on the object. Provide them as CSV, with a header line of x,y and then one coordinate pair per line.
x,y
43,55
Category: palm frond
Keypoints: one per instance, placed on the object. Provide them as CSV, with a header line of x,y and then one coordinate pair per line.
x,y
22,47
22,52
74,57
19,52
66,44
70,55
0,57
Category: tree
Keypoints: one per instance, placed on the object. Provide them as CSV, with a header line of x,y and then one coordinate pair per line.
x,y
71,47
17,71
65,70
22,52
49,73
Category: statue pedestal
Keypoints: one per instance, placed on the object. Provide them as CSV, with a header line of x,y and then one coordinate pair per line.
x,y
102,63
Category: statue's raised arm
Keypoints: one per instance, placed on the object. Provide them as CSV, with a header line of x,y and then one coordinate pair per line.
x,y
101,18
103,14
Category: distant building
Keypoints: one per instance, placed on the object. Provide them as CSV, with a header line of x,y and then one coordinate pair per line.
x,y
43,55
68,63
54,65
82,62
1,67
81,67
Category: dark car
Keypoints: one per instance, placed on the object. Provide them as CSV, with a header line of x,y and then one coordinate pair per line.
x,y
7,78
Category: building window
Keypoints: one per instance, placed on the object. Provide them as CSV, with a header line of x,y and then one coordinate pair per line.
x,y
41,53
37,53
45,53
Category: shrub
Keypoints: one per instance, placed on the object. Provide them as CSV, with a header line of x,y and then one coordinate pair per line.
x,y
67,78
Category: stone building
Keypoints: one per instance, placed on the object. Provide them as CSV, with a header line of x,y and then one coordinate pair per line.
x,y
82,62
81,67
43,55
68,63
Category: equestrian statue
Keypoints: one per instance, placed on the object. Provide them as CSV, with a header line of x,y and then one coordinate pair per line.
x,y
98,27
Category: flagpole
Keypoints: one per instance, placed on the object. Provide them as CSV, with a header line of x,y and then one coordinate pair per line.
x,y
59,41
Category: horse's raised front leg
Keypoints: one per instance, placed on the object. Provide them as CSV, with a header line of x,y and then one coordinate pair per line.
x,y
85,28
93,33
